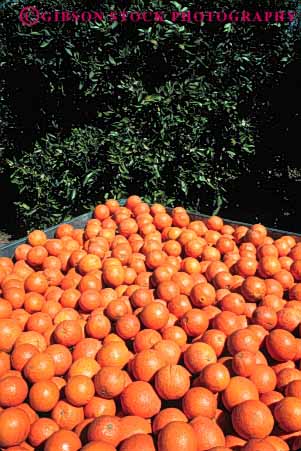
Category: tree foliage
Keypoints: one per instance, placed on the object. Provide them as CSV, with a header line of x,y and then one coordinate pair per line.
x,y
167,110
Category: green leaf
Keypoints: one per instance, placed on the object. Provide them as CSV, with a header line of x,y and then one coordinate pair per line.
x,y
112,61
45,43
67,50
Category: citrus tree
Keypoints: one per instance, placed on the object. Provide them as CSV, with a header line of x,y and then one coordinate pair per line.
x,y
166,109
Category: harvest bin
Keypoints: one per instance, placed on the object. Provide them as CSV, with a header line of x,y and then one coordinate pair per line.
x,y
7,250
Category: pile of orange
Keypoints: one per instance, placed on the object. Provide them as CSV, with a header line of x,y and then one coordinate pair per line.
x,y
151,331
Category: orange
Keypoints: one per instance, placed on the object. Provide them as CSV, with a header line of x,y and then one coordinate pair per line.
x,y
79,390
33,302
243,340
208,433
137,442
15,296
215,377
287,413
14,427
113,354
109,382
54,246
37,238
68,332
4,363
43,396
167,416
243,363
13,391
87,347
146,363
39,367
167,290
139,398
86,366
154,315
102,211
39,322
172,382
89,300
145,339
127,326
238,390
199,401
194,322
99,406
89,263
36,256
170,350
202,294
198,355
264,378
21,251
41,430
216,339
176,436
66,415
214,223
36,282
281,345
9,331
62,440
114,275
175,333
252,419
98,326
253,288
21,354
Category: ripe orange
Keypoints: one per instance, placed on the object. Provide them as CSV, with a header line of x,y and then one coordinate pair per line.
x,y
66,415
137,442
113,354
36,282
62,440
287,413
239,389
198,355
145,339
281,345
37,238
87,347
13,391
208,433
62,358
68,333
194,322
139,398
14,427
39,367
252,419
199,401
109,382
176,436
41,430
79,390
169,349
166,416
105,428
99,406
154,315
43,396
172,382
215,377
10,331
